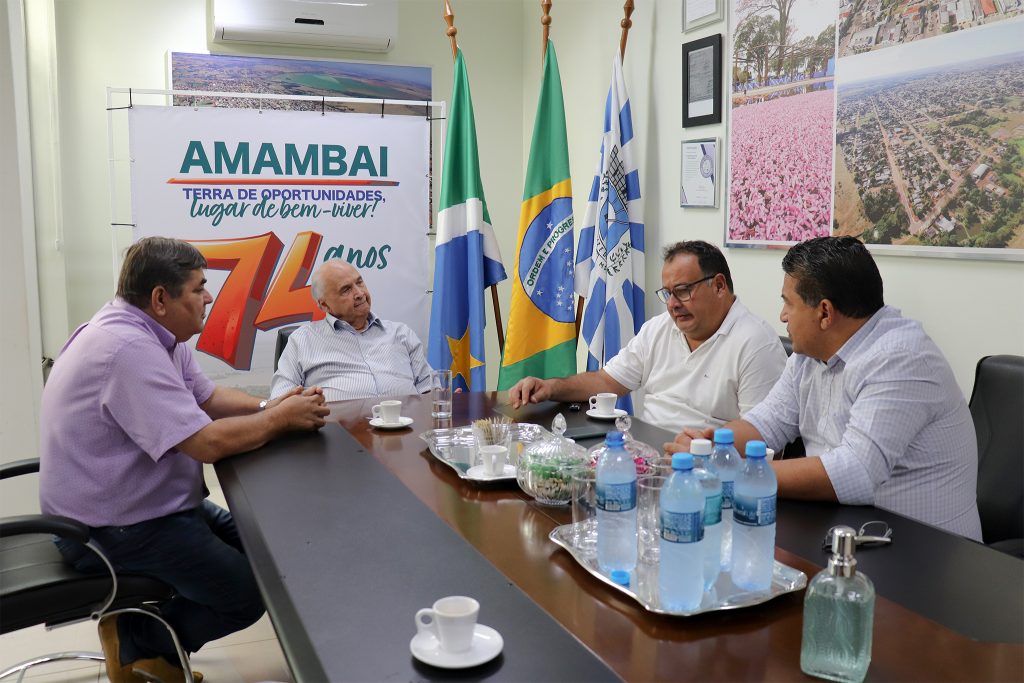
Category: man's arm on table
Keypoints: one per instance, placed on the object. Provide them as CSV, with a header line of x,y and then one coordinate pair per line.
x,y
742,433
229,402
573,388
239,433
804,479
800,478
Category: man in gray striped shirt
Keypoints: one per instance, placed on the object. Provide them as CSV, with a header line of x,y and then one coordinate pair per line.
x,y
351,353
870,394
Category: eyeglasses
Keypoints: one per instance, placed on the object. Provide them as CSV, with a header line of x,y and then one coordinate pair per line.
x,y
870,535
682,293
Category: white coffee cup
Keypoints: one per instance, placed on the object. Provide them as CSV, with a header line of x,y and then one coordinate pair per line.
x,y
388,412
493,458
451,620
604,403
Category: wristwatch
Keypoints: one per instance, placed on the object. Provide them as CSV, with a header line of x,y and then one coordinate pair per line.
x,y
263,404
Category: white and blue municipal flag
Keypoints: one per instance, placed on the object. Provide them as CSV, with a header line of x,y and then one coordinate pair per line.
x,y
610,256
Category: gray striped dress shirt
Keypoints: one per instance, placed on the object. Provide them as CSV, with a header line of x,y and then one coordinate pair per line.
x,y
888,420
385,358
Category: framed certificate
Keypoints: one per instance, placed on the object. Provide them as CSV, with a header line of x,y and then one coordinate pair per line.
x,y
699,173
702,81
697,13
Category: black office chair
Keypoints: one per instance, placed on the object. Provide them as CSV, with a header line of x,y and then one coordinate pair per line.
x,y
37,587
997,406
795,449
787,344
282,340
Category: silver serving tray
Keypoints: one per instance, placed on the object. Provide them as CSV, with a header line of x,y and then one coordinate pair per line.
x,y
456,447
643,584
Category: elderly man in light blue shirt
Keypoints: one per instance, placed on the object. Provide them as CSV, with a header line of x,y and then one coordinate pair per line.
x,y
870,394
351,353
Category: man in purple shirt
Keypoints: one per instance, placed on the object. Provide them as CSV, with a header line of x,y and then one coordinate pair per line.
x,y
127,421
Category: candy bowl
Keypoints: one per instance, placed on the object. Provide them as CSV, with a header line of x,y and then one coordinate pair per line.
x,y
545,469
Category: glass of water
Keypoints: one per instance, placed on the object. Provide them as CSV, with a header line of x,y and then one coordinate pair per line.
x,y
441,394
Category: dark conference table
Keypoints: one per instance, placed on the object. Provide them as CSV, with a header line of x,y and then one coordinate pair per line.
x,y
352,529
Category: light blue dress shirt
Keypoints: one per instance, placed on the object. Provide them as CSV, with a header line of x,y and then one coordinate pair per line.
x,y
385,358
888,420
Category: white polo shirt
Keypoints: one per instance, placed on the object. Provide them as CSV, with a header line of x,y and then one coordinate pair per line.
x,y
721,380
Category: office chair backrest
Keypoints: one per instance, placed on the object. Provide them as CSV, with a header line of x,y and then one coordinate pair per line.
x,y
787,344
997,406
282,340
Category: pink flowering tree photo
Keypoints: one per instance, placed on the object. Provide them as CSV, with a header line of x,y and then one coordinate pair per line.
x,y
783,110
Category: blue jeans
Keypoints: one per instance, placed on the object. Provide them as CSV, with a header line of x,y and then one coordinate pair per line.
x,y
199,554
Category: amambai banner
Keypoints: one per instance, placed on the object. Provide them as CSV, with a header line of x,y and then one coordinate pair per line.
x,y
269,195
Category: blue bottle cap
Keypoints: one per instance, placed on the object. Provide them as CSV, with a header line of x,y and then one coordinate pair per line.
x,y
682,461
614,439
620,576
723,435
756,449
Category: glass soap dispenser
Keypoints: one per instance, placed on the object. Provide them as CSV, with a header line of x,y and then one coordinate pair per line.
x,y
839,609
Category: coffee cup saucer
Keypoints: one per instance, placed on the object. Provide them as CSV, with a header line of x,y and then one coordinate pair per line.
x,y
478,472
402,423
487,644
593,412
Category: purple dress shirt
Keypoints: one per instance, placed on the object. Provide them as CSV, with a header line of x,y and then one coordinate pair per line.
x,y
120,397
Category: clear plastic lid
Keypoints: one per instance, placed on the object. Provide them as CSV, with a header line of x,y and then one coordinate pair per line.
x,y
644,455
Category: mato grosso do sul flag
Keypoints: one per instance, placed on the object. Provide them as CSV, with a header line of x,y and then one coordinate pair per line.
x,y
610,259
466,257
541,339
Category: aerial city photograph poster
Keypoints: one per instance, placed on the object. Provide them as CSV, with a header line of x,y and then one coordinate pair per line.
x,y
286,76
782,112
930,137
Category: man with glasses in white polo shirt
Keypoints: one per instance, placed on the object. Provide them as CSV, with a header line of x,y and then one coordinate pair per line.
x,y
351,353
705,361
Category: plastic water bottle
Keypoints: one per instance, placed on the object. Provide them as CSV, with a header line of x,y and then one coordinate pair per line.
x,y
712,485
681,571
753,541
726,461
616,507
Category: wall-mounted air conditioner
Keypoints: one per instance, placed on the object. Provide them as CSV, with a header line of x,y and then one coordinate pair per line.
x,y
364,25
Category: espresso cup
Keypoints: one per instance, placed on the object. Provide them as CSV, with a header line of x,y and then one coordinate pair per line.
x,y
388,412
493,459
604,403
451,620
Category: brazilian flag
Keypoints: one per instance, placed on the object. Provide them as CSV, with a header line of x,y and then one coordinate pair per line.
x,y
541,339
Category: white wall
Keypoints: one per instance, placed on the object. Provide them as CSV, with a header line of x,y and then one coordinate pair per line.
x,y
970,308
20,348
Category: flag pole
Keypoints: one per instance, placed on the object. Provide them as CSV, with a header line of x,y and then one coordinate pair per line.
x,y
626,24
449,18
545,21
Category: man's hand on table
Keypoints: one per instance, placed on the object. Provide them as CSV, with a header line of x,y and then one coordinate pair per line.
x,y
296,391
302,408
529,390
683,439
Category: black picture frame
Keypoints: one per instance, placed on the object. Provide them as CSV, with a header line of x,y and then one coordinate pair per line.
x,y
700,110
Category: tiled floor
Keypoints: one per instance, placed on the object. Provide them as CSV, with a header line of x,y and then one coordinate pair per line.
x,y
243,657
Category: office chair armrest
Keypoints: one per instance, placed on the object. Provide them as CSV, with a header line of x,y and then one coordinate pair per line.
x,y
19,467
45,524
